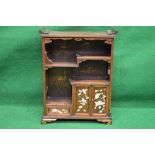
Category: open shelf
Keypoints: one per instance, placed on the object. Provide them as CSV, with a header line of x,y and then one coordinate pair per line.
x,y
61,51
59,101
58,85
69,53
93,48
90,70
79,60
87,57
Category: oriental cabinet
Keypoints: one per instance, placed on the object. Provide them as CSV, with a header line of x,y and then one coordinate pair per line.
x,y
77,75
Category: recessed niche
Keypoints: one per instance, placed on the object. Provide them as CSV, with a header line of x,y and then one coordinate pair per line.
x,y
67,50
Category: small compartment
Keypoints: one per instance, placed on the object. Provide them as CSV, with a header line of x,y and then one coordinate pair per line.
x,y
61,50
93,48
59,89
91,70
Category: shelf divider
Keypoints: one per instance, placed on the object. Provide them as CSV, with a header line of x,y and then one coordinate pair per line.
x,y
89,82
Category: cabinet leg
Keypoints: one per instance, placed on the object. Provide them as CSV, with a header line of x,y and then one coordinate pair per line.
x,y
107,121
45,121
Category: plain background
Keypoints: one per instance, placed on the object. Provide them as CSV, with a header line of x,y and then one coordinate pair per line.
x,y
133,78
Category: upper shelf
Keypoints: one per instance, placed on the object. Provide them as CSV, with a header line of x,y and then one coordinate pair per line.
x,y
70,53
106,34
58,101
62,64
81,58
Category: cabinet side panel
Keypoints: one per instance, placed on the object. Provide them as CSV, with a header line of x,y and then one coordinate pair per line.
x,y
44,76
111,67
73,107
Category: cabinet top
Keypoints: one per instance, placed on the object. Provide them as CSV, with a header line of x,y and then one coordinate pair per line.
x,y
106,34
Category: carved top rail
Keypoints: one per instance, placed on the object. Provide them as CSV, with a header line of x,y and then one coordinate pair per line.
x,y
106,34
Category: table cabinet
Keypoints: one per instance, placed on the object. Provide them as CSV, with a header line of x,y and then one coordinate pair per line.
x,y
77,75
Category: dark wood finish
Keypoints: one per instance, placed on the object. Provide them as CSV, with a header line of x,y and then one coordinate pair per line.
x,y
77,75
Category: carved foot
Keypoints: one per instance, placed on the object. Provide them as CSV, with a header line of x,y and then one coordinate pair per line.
x,y
45,121
107,121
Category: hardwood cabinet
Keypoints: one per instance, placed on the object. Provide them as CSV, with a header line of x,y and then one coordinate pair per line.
x,y
77,75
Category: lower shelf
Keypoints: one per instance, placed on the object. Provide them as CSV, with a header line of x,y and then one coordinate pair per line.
x,y
58,106
60,102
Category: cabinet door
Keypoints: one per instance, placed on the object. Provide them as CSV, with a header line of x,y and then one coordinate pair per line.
x,y
82,103
99,99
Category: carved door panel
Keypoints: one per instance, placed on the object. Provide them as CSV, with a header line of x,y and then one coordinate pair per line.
x,y
99,99
83,97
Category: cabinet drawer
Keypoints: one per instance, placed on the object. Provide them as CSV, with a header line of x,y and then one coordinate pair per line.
x,y
58,111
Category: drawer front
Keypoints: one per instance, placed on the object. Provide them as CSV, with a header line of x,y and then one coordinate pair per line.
x,y
58,111
99,99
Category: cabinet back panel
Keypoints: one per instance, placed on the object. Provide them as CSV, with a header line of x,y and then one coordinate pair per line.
x,y
61,51
58,82
91,70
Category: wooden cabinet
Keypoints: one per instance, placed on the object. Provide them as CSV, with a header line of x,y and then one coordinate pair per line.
x,y
77,75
